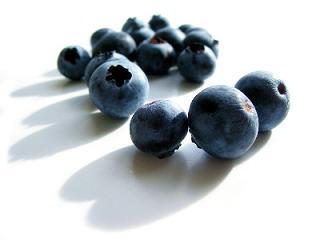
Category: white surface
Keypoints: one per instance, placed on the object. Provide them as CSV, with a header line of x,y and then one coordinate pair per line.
x,y
67,172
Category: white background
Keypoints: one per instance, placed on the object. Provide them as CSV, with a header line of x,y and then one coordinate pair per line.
x,y
67,172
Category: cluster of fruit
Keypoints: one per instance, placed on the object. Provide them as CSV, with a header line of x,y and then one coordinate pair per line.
x,y
223,121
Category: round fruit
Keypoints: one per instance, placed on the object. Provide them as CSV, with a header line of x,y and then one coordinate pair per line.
x,y
120,42
118,88
223,122
72,62
158,128
157,22
196,63
156,56
269,95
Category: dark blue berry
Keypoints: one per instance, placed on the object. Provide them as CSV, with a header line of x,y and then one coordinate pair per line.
x,y
172,36
196,63
158,128
155,56
72,62
120,42
223,122
269,95
118,88
202,37
133,24
142,34
96,61
97,35
157,22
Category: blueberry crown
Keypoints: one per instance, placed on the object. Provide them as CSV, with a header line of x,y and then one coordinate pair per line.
x,y
118,74
71,55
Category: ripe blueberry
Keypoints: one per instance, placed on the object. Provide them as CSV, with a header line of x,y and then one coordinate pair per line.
x,y
118,87
72,62
223,122
157,22
269,95
132,24
158,128
155,56
196,63
120,42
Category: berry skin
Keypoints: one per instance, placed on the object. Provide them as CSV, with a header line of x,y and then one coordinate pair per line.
x,y
269,95
173,36
157,22
72,62
142,34
196,63
189,30
155,56
120,42
223,122
133,24
185,28
202,37
158,128
97,35
96,61
118,88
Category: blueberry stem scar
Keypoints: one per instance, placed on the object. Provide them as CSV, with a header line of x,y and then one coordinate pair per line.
x,y
118,74
282,88
72,55
247,106
196,47
156,40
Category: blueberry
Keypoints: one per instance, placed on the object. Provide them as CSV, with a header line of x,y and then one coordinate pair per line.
x,y
223,122
185,27
269,95
120,42
96,61
142,34
72,62
118,87
133,24
202,37
155,56
196,63
158,128
157,22
97,35
173,36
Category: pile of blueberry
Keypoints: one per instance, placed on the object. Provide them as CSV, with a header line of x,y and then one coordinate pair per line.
x,y
224,121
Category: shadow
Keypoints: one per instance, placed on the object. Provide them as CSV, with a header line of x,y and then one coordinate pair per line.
x,y
170,85
57,112
67,134
260,141
130,188
49,88
52,73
